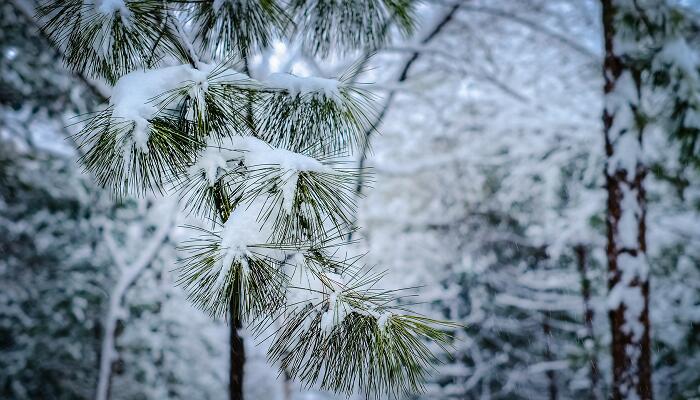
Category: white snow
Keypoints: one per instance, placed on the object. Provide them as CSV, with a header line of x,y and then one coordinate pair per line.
x,y
628,225
619,102
692,119
628,293
289,191
133,97
109,7
218,4
633,300
625,90
255,152
317,288
383,320
197,92
302,86
336,313
677,52
242,230
627,154
632,268
211,162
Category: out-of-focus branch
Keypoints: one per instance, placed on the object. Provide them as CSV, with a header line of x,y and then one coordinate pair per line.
x,y
482,74
560,37
403,75
129,273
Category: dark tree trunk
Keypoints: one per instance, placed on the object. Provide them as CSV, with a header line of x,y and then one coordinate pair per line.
x,y
237,359
631,350
594,373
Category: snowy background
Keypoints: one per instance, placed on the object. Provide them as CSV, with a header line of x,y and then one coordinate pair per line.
x,y
487,199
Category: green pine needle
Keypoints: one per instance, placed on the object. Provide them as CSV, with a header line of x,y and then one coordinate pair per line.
x,y
359,354
311,122
252,285
349,334
119,165
237,27
344,26
109,46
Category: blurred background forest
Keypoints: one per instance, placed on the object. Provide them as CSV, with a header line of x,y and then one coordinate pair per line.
x,y
487,197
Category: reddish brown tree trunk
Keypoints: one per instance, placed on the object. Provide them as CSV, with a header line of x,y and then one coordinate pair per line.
x,y
628,282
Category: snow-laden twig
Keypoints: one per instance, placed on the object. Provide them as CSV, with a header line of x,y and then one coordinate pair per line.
x,y
192,56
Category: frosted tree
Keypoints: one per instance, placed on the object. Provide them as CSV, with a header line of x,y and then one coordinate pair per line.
x,y
128,272
261,160
627,264
50,282
51,279
489,201
673,216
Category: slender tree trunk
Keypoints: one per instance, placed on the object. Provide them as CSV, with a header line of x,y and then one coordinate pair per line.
x,y
628,282
237,358
236,347
594,373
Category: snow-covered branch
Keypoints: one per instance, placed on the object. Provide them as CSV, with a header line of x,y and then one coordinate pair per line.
x,y
128,275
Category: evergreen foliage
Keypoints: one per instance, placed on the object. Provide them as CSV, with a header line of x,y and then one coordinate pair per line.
x,y
661,41
51,297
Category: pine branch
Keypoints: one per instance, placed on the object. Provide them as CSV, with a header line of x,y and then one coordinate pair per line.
x,y
328,123
249,287
257,159
348,337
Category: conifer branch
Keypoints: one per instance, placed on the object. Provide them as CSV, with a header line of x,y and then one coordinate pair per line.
x,y
258,161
